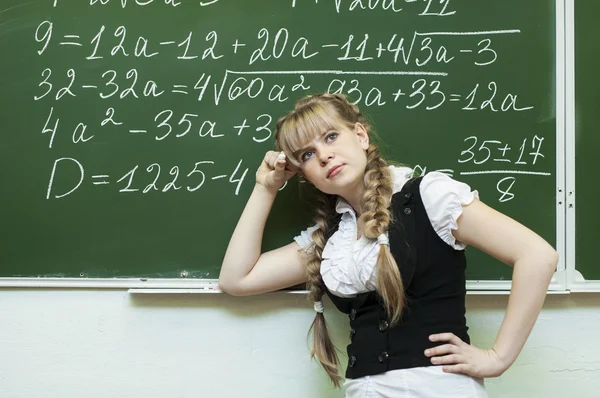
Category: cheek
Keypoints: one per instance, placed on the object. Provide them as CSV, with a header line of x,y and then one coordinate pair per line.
x,y
315,176
307,172
361,159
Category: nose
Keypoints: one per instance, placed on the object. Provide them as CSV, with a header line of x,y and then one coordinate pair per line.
x,y
324,156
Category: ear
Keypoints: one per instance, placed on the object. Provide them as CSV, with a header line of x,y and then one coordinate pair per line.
x,y
302,177
362,135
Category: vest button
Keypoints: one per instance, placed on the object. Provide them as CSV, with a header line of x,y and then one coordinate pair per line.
x,y
352,361
383,357
352,333
353,314
383,326
407,195
407,210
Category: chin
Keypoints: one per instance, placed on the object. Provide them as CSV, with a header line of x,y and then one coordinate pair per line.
x,y
340,186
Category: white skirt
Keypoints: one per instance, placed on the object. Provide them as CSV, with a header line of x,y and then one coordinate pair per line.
x,y
423,382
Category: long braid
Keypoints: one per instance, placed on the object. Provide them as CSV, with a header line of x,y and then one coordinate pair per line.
x,y
323,347
376,220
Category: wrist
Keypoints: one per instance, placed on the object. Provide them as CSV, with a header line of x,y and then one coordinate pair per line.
x,y
503,357
264,191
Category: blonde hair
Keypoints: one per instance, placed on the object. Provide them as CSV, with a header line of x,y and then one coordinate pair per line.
x,y
311,116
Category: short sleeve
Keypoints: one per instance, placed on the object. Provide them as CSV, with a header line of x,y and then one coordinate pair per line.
x,y
444,198
304,240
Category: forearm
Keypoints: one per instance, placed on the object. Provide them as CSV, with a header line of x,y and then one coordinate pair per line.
x,y
531,277
244,246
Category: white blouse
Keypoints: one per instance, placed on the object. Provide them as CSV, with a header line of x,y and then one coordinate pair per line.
x,y
348,265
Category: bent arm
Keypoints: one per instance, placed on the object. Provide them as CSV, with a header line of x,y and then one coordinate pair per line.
x,y
534,262
245,270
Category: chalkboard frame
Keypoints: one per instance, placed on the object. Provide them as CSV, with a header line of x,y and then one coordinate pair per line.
x,y
576,281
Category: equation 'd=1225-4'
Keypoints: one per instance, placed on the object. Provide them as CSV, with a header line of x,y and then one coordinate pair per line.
x,y
136,180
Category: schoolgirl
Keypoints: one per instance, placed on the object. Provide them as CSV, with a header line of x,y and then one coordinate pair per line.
x,y
388,249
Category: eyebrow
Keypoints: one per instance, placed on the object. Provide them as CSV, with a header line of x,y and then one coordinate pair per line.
x,y
301,150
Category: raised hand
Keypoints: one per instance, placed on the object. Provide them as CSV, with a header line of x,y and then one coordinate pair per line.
x,y
272,173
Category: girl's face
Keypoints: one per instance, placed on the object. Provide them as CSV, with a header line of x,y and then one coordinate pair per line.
x,y
334,162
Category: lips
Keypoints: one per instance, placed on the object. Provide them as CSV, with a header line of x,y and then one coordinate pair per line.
x,y
334,170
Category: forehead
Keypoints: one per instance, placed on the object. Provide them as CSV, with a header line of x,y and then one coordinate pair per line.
x,y
304,126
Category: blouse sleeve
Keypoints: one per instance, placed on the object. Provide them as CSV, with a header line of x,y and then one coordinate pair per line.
x,y
443,198
304,240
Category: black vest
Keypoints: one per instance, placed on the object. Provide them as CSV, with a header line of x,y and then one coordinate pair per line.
x,y
433,274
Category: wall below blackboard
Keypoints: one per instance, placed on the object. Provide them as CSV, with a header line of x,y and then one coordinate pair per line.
x,y
82,343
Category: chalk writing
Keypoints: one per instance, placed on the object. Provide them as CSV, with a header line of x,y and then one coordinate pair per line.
x,y
403,69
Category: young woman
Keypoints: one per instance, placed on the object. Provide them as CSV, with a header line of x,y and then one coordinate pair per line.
x,y
388,249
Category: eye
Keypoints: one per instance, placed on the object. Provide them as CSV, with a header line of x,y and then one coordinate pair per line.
x,y
306,155
331,137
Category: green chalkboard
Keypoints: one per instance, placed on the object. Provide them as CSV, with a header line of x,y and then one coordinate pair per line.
x,y
587,140
130,133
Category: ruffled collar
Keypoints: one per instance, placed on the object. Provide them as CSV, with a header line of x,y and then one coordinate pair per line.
x,y
339,270
343,273
348,264
342,206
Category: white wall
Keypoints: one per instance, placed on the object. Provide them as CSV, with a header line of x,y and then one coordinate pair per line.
x,y
108,343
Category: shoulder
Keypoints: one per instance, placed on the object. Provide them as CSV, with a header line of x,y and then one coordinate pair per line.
x,y
304,239
438,184
400,174
443,198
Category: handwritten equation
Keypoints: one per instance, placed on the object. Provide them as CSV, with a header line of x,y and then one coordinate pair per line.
x,y
417,49
439,8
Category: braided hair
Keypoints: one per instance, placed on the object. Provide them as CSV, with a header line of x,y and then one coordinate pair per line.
x,y
311,116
